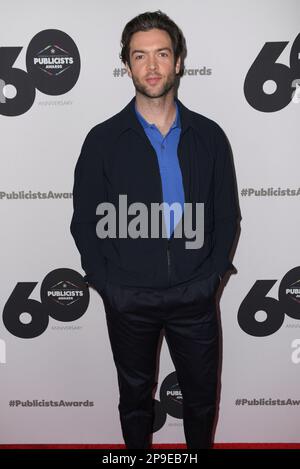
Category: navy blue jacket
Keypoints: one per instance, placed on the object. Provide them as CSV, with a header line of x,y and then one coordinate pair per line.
x,y
117,158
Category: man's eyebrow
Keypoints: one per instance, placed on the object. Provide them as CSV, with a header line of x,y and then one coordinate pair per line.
x,y
135,51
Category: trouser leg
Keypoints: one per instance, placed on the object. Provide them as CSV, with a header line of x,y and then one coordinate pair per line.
x,y
134,328
192,335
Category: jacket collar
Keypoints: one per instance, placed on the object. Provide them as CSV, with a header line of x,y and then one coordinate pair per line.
x,y
129,120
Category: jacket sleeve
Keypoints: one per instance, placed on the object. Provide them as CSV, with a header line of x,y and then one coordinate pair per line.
x,y
226,212
88,192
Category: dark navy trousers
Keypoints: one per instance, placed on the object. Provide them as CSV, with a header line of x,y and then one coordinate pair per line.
x,y
135,317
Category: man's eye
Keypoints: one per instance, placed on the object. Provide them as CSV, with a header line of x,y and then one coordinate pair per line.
x,y
138,57
164,54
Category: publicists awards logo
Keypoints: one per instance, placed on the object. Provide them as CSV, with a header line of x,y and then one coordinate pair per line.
x,y
170,401
275,310
53,60
53,67
65,293
64,296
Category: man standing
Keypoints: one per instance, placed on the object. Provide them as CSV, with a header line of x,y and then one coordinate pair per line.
x,y
156,151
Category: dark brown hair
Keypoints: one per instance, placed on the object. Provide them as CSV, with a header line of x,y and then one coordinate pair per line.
x,y
150,20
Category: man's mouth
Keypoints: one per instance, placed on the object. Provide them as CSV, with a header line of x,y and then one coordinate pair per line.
x,y
153,80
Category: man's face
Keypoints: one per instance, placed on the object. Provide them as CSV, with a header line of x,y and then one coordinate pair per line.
x,y
152,66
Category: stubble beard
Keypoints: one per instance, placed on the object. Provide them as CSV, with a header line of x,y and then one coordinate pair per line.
x,y
144,89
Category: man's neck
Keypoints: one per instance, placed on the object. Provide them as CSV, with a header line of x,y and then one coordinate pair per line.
x,y
159,111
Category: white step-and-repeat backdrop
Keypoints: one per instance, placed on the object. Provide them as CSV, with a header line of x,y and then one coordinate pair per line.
x,y
60,74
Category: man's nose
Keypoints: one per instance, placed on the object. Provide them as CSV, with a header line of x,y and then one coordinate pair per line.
x,y
152,63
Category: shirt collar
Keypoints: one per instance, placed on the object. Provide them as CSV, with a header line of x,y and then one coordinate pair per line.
x,y
146,124
127,118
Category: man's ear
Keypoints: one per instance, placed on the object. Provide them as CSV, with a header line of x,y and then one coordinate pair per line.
x,y
178,65
128,70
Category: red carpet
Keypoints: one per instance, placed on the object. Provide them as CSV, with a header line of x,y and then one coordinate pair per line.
x,y
162,446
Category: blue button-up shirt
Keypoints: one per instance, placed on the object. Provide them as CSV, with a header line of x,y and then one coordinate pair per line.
x,y
170,172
